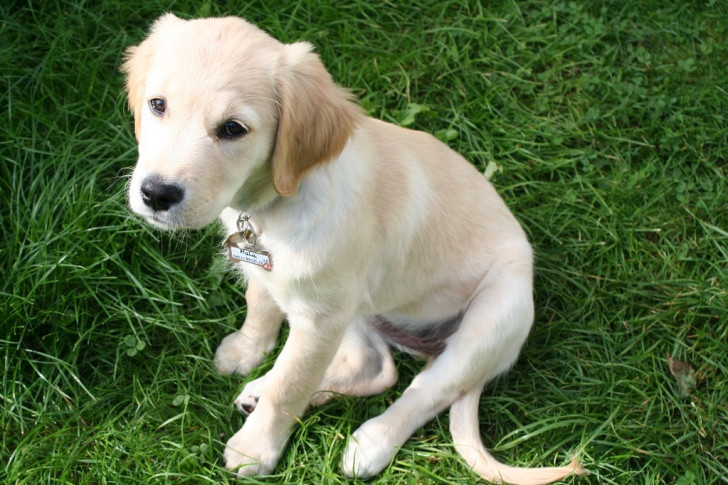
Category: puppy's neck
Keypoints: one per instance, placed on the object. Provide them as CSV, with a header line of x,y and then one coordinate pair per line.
x,y
255,198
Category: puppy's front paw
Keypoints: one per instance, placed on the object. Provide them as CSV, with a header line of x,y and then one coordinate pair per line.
x,y
247,456
248,399
367,452
238,354
242,465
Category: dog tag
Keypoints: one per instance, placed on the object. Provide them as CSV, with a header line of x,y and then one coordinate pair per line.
x,y
241,251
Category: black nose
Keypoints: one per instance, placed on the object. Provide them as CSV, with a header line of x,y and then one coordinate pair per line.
x,y
160,195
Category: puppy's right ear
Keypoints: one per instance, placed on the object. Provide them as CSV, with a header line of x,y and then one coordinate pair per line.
x,y
137,60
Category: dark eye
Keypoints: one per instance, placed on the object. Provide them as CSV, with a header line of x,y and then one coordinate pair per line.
x,y
231,130
158,105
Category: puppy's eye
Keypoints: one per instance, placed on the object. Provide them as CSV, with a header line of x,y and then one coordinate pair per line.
x,y
158,106
231,130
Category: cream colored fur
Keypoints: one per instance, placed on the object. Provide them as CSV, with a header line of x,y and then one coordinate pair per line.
x,y
361,218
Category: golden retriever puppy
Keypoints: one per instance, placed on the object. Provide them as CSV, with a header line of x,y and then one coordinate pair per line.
x,y
361,234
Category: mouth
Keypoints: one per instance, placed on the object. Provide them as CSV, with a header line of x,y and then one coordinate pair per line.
x,y
160,221
157,220
170,222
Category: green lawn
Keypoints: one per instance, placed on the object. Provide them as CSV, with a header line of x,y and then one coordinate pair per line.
x,y
604,127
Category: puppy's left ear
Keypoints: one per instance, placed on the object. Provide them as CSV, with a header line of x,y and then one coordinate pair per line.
x,y
137,60
316,117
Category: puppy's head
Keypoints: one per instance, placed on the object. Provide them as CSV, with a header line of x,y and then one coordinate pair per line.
x,y
225,115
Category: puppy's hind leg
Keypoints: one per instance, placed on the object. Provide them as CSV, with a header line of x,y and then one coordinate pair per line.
x,y
487,343
363,365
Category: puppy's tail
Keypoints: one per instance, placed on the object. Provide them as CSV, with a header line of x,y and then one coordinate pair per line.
x,y
466,436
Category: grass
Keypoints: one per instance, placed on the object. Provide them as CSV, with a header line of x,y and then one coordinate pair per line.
x,y
603,124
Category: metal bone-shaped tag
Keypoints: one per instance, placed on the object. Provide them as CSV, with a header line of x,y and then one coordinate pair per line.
x,y
243,247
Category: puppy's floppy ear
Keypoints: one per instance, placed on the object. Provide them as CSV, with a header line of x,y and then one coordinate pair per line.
x,y
137,60
316,117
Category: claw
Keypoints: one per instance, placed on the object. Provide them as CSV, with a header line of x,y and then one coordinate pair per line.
x,y
247,407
